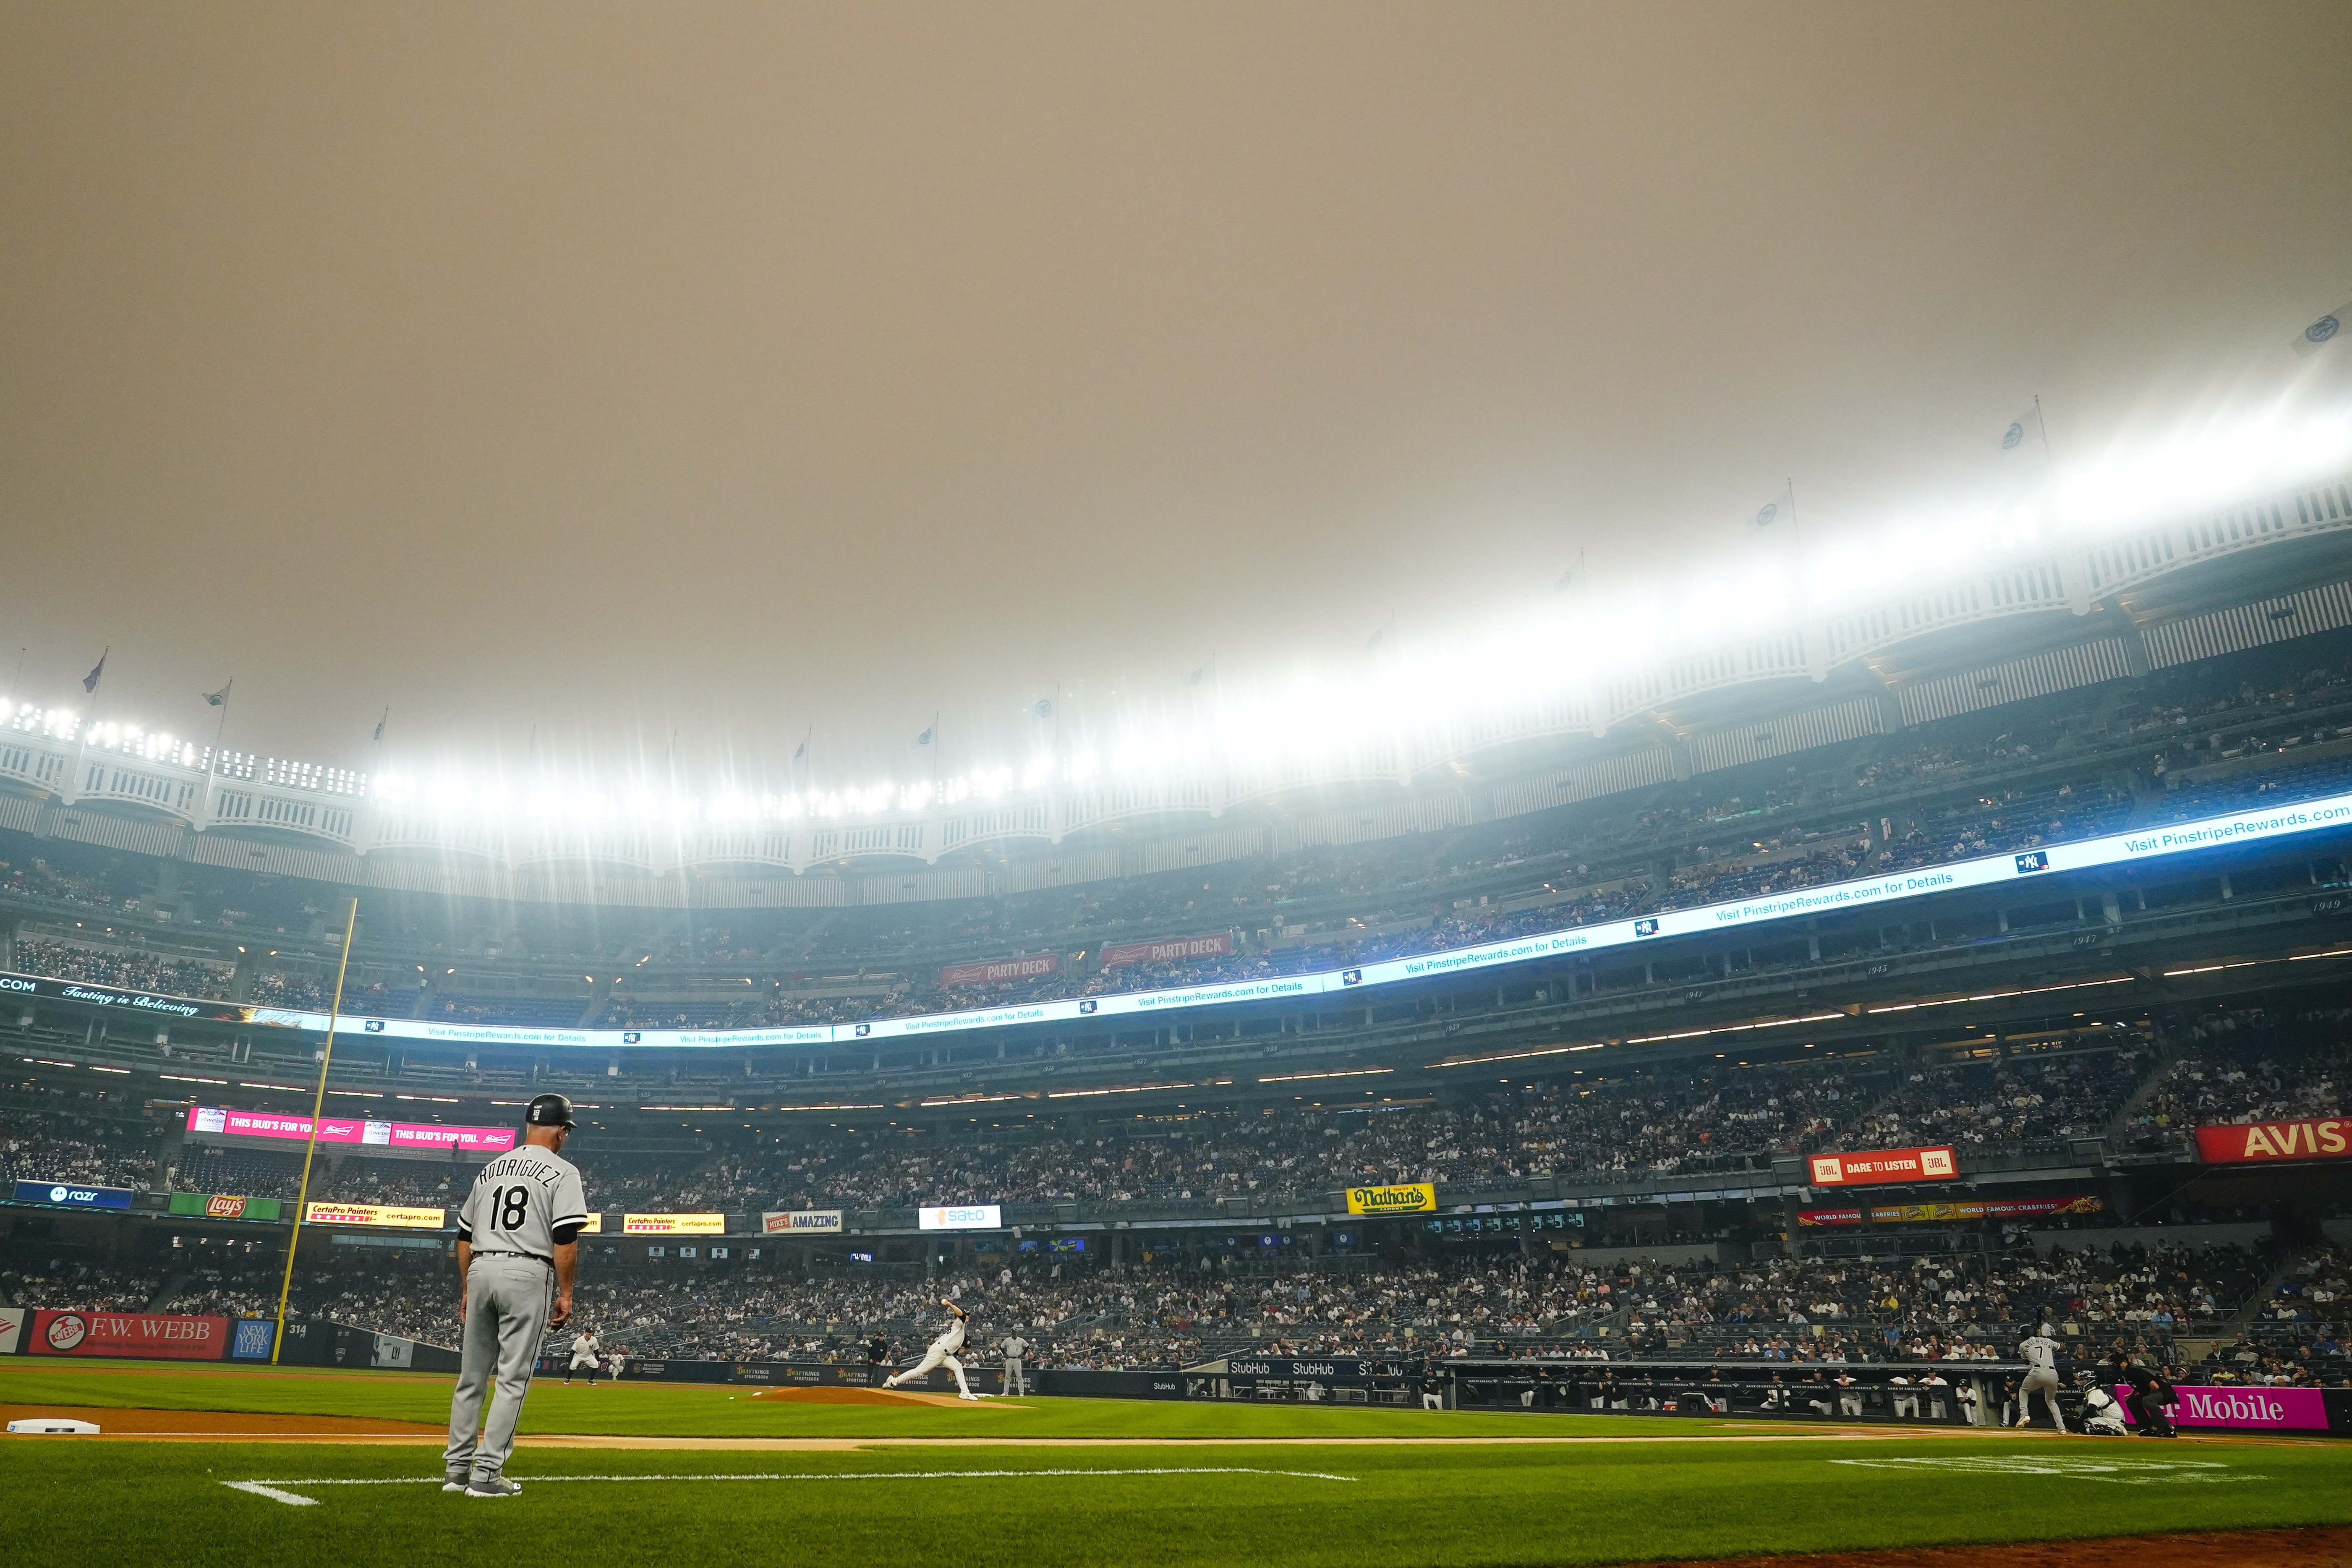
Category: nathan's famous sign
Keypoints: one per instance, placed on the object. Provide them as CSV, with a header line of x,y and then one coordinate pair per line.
x,y
1413,1197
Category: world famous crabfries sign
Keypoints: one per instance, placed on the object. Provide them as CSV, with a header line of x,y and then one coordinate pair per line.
x,y
2255,1142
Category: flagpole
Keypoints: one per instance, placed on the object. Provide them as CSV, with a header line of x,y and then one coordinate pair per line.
x,y
311,1145
212,763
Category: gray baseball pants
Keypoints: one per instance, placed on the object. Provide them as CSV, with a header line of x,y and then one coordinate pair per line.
x,y
1016,1382
508,1302
2045,1383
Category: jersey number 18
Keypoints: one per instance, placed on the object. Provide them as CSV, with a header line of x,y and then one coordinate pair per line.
x,y
508,1207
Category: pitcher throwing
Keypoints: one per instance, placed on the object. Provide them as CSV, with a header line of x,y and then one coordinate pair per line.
x,y
941,1354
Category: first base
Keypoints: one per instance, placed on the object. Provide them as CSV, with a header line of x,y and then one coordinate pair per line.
x,y
54,1426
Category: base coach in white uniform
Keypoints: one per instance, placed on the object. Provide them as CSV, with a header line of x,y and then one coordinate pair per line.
x,y
518,1249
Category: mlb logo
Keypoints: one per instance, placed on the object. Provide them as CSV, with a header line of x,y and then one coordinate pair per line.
x,y
2033,860
864,1030
1936,1162
1087,1007
1351,977
631,1037
373,1025
1648,927
1828,1169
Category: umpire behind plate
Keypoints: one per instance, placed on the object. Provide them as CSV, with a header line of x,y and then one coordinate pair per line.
x,y
518,1249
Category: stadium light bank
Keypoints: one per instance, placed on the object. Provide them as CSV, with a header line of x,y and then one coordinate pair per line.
x,y
1325,720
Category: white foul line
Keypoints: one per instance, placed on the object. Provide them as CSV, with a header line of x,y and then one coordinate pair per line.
x,y
272,1489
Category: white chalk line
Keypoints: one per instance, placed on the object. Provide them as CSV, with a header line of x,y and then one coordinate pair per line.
x,y
275,1489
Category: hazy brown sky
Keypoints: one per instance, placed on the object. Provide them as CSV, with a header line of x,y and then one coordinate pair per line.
x,y
617,369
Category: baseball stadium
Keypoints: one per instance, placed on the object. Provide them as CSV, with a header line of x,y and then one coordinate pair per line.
x,y
1820,1040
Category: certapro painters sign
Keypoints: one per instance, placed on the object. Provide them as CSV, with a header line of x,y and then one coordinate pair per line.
x,y
1412,1197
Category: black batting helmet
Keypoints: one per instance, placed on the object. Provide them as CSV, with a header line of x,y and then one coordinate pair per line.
x,y
548,1110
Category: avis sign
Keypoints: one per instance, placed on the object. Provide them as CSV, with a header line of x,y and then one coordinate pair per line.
x,y
1881,1165
2254,1142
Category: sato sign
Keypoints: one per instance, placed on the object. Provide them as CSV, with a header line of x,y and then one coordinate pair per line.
x,y
73,1195
779,1224
150,1335
1412,1197
205,1119
2257,1142
1879,1165
960,1216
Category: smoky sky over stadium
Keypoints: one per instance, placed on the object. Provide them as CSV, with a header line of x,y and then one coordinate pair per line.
x,y
567,378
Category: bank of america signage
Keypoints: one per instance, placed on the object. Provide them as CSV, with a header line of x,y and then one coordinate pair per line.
x,y
1991,871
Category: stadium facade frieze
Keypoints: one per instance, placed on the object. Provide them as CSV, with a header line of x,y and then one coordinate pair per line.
x,y
2131,847
293,818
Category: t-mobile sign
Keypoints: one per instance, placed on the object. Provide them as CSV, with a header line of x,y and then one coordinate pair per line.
x,y
206,1119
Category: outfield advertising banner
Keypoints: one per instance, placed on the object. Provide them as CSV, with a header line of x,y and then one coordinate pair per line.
x,y
386,1214
427,1136
253,1340
2258,1142
1874,1166
795,1221
1411,1197
1173,952
146,1002
73,1195
2242,1409
997,971
2144,847
960,1216
1913,1214
12,1330
674,1224
147,1335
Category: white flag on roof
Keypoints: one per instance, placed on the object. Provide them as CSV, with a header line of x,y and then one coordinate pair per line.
x,y
2023,431
1782,508
2322,331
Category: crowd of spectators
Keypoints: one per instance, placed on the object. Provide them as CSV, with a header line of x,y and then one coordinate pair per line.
x,y
1880,804
126,969
83,1149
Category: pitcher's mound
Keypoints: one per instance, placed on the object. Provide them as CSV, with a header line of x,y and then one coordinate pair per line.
x,y
861,1397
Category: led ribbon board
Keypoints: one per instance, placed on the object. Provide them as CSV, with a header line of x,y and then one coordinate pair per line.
x,y
1866,892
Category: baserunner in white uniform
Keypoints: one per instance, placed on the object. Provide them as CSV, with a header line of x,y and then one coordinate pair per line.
x,y
941,1354
584,1356
518,1249
2040,1354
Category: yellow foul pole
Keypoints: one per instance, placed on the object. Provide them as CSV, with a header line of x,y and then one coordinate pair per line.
x,y
311,1145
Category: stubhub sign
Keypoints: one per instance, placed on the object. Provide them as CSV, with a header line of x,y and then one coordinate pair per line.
x,y
70,1195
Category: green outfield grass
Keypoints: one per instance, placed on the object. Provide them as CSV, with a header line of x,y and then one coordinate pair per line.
x,y
675,1409
67,1502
